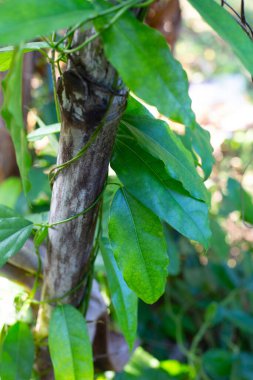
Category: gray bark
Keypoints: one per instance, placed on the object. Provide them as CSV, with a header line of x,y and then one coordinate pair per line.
x,y
90,93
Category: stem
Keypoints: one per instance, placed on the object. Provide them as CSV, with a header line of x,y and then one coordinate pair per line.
x,y
85,304
103,13
198,337
74,216
96,35
52,63
58,168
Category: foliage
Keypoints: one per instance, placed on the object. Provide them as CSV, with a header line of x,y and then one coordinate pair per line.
x,y
158,199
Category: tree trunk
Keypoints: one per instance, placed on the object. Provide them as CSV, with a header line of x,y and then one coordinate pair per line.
x,y
91,98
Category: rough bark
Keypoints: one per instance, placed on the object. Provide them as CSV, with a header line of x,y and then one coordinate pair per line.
x,y
87,98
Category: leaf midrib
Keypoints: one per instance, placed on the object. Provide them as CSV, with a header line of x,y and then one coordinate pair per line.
x,y
164,184
138,241
173,157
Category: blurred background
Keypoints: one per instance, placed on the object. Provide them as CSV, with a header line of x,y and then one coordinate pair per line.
x,y
202,328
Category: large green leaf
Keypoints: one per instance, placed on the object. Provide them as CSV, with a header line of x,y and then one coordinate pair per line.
x,y
139,246
12,114
147,180
6,53
158,139
142,57
69,345
123,299
22,20
14,231
17,354
224,24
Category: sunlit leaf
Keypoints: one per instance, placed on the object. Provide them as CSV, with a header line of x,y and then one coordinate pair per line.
x,y
200,141
69,345
10,190
6,53
148,69
144,366
22,20
17,354
13,116
139,246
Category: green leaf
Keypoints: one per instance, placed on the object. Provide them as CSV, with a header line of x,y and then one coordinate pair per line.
x,y
147,180
159,140
173,251
40,236
200,141
237,198
69,345
142,57
39,133
139,246
224,24
218,243
22,20
144,366
6,53
243,366
10,190
218,363
240,319
12,114
14,231
17,353
123,299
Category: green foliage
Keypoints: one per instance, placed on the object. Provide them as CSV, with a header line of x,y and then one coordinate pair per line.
x,y
237,199
137,240
157,200
69,345
14,231
123,299
25,20
199,139
222,22
146,178
17,354
139,63
156,138
6,53
12,114
218,363
144,366
10,190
